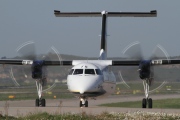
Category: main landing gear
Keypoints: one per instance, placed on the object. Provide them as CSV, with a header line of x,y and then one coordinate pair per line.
x,y
83,102
147,102
39,101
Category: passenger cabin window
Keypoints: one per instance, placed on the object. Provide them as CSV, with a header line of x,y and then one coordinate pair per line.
x,y
78,71
89,71
72,70
98,72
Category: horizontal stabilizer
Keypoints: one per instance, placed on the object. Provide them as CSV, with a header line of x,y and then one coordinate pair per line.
x,y
152,13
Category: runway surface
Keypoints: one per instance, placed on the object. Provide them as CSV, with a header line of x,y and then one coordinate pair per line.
x,y
25,107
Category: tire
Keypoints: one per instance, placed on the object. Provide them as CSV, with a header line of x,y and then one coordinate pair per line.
x,y
86,103
150,103
43,102
37,103
144,103
80,104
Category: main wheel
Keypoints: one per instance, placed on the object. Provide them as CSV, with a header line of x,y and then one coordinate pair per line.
x,y
37,102
80,104
86,103
43,102
144,103
150,103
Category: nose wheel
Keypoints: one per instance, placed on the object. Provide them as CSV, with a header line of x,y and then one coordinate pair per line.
x,y
147,101
83,102
39,101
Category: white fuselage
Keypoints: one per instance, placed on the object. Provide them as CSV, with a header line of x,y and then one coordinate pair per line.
x,y
91,80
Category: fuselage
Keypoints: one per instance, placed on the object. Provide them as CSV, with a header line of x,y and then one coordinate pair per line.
x,y
91,80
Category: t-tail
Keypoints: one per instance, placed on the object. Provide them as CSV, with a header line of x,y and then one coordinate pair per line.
x,y
104,15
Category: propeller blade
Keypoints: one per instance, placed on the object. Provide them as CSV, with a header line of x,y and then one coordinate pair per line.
x,y
27,50
133,51
52,55
159,53
159,73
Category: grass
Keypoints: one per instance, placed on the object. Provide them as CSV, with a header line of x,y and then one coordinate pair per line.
x,y
30,93
164,103
60,91
32,96
138,86
138,115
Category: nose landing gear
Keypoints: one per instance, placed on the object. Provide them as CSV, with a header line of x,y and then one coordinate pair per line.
x,y
83,102
40,102
147,101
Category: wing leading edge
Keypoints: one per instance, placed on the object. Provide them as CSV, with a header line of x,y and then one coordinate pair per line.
x,y
137,62
30,62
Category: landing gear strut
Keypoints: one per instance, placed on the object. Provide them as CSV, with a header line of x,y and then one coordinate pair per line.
x,y
39,101
147,101
83,102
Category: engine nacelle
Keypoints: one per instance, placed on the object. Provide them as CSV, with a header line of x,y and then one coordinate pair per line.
x,y
145,69
37,72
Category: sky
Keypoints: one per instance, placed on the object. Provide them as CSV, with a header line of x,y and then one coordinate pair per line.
x,y
34,20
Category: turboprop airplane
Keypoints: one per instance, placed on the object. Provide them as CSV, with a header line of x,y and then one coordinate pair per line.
x,y
93,78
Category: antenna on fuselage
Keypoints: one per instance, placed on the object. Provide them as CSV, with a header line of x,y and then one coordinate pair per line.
x,y
104,15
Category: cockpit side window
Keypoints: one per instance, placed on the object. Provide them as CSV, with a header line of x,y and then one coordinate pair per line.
x,y
72,70
98,72
89,71
78,71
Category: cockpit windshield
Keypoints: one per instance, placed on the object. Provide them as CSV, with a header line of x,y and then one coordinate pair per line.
x,y
78,71
71,72
85,71
89,71
98,72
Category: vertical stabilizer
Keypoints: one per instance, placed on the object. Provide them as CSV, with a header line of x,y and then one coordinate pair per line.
x,y
103,49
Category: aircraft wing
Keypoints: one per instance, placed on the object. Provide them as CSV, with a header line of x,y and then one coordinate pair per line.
x,y
136,62
127,62
30,62
101,62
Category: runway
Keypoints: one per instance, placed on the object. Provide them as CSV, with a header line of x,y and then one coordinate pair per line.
x,y
56,106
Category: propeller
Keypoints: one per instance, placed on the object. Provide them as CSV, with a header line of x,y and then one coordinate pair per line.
x,y
25,75
145,69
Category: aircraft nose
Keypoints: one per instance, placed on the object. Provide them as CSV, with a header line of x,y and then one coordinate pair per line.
x,y
82,91
85,84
